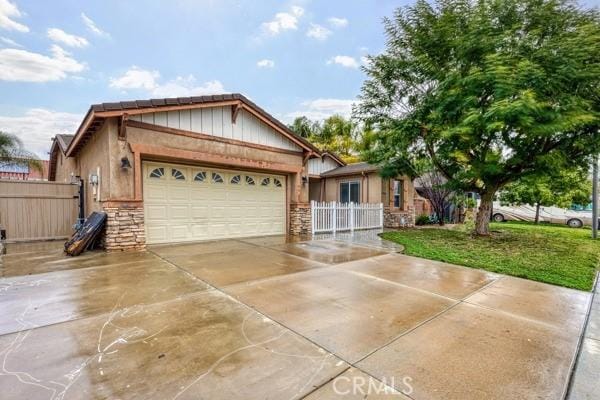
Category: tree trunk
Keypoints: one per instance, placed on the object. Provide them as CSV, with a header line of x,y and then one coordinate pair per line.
x,y
482,221
537,212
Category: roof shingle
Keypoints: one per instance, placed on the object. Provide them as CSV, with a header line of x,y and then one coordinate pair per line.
x,y
351,169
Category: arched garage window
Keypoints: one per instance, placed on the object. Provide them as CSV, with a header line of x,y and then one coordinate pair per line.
x,y
216,178
200,176
157,173
177,174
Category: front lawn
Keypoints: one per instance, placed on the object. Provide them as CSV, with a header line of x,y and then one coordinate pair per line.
x,y
546,253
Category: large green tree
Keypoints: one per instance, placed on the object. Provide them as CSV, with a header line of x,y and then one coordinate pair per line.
x,y
304,127
337,134
488,90
562,189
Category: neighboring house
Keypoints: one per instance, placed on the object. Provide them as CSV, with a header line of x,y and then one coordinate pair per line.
x,y
208,167
60,166
24,172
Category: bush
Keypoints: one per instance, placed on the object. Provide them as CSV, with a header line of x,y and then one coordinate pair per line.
x,y
423,220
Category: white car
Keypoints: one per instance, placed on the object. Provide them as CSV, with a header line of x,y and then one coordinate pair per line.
x,y
554,215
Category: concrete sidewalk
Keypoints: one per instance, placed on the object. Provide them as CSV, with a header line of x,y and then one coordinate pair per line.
x,y
585,383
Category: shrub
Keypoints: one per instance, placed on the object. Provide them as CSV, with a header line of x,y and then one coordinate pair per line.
x,y
423,220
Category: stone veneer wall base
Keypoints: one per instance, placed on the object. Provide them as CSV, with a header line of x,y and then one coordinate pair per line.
x,y
124,229
399,219
300,220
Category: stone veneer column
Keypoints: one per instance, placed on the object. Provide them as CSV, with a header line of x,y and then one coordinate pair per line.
x,y
300,219
125,228
394,219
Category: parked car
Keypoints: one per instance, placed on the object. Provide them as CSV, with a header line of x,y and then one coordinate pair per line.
x,y
554,215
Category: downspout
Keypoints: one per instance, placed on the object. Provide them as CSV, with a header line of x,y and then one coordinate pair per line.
x,y
362,185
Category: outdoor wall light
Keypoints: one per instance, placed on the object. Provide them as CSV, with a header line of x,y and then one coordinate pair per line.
x,y
125,164
304,180
93,179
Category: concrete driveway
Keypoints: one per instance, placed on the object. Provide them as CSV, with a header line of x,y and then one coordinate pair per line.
x,y
265,318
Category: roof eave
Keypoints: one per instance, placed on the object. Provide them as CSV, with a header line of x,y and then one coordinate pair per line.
x,y
233,99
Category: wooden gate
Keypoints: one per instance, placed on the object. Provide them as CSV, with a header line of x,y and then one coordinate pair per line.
x,y
37,210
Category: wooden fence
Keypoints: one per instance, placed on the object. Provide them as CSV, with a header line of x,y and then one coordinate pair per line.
x,y
37,210
334,217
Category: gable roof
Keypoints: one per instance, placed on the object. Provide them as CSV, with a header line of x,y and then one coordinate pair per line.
x,y
351,169
99,112
59,142
334,157
64,141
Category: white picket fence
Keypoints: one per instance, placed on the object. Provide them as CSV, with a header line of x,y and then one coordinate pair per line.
x,y
336,217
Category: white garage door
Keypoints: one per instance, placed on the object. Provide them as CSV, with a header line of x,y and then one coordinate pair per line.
x,y
183,203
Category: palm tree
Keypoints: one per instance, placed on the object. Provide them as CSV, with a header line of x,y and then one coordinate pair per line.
x,y
12,152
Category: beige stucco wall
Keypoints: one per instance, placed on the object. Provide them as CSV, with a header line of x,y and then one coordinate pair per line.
x,y
374,188
64,167
370,187
92,156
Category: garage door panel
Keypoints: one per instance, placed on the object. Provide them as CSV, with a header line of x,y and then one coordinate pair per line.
x,y
179,193
156,233
200,212
156,212
155,192
179,232
188,209
179,211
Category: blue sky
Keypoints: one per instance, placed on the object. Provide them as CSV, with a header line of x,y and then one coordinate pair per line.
x,y
291,57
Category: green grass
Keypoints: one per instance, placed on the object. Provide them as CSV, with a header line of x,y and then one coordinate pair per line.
x,y
546,253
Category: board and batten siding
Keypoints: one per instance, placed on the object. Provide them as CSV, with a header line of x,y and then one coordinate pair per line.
x,y
216,121
37,210
316,166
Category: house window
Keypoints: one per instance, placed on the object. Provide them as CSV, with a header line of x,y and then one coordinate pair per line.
x,y
276,182
249,180
265,182
235,180
398,191
350,192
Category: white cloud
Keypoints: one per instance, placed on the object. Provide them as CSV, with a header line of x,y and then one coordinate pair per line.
x,y
187,86
37,126
60,36
283,21
9,42
338,22
138,78
265,63
25,66
344,61
8,11
319,109
91,25
318,32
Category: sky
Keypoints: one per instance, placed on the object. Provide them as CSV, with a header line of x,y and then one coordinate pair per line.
x,y
296,57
